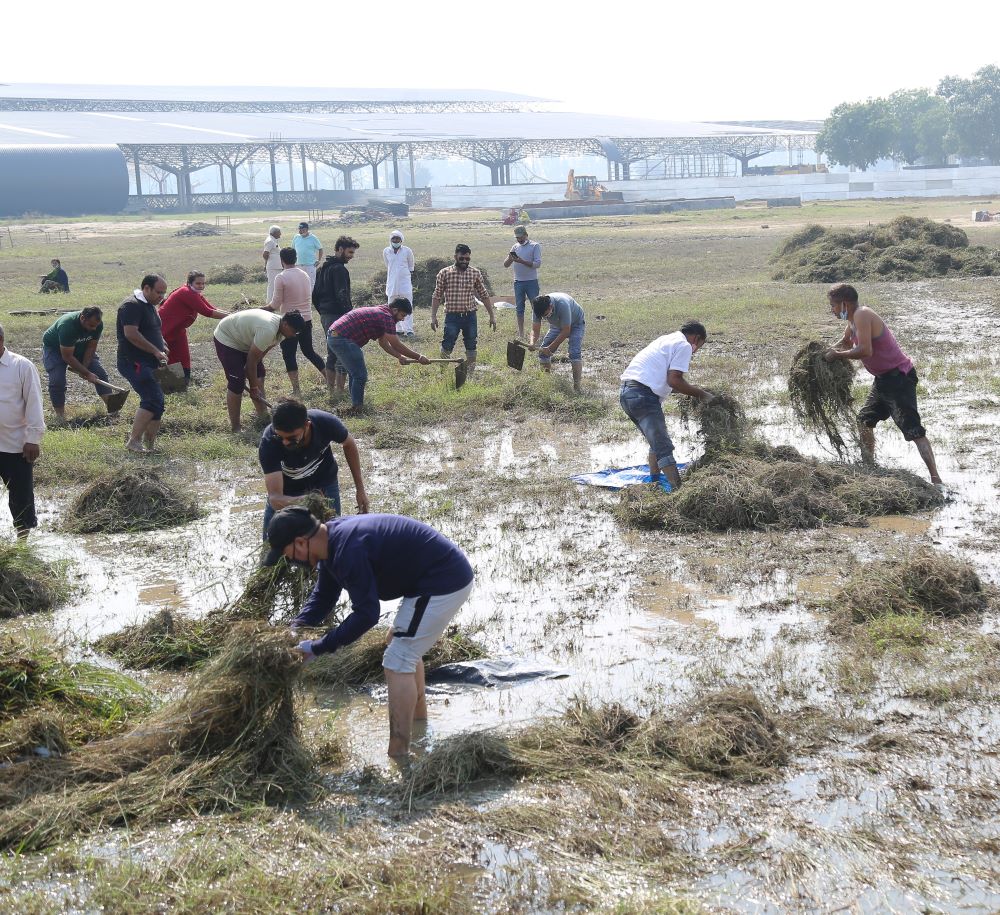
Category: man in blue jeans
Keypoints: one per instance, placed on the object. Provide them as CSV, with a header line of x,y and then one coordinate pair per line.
x,y
526,258
71,343
460,287
566,321
653,374
296,455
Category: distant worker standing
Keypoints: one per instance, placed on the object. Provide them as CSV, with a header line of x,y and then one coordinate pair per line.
x,y
272,261
398,259
868,339
308,251
526,257
331,297
71,343
566,321
292,293
141,351
458,287
178,312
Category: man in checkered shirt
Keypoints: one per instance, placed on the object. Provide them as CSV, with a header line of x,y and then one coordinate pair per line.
x,y
459,287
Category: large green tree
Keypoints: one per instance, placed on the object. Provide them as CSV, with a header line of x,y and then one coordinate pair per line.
x,y
858,134
974,105
920,125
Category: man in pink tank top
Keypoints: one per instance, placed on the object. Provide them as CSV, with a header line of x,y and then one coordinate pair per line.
x,y
894,392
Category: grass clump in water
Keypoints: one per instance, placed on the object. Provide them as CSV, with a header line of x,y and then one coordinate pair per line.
x,y
127,499
231,740
820,393
907,248
29,584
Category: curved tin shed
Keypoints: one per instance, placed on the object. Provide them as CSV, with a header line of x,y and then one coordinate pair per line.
x,y
62,180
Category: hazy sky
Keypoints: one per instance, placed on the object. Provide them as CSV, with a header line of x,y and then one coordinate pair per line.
x,y
691,61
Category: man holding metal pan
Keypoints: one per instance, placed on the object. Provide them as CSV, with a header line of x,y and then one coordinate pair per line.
x,y
71,344
566,321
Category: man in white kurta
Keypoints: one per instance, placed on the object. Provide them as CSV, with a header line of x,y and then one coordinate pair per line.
x,y
399,277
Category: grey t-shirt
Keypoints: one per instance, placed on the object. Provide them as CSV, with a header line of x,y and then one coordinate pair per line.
x,y
565,310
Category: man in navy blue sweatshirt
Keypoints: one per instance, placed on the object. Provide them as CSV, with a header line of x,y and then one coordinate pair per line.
x,y
377,558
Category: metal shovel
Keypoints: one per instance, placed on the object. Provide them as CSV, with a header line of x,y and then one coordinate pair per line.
x,y
117,400
515,353
461,369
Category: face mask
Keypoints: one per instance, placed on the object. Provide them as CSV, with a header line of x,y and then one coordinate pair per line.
x,y
843,314
300,564
396,245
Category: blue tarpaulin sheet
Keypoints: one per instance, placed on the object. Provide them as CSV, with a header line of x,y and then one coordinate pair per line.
x,y
620,477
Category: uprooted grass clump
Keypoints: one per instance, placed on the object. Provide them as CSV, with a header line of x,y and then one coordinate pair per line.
x,y
127,499
907,248
728,734
425,273
231,740
929,584
29,584
820,394
361,662
722,423
48,705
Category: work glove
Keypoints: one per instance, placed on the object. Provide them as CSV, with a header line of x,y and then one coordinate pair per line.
x,y
305,648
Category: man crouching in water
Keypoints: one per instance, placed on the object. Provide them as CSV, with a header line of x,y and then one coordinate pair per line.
x,y
894,392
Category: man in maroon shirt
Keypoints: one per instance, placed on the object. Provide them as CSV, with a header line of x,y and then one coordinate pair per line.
x,y
351,332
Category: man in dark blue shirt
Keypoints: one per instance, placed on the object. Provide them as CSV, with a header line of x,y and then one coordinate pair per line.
x,y
378,558
296,456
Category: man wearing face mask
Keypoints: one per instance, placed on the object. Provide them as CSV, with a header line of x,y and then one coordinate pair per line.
x,y
398,259
894,392
296,455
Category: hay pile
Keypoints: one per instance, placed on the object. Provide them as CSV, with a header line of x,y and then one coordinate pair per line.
x,y
197,230
48,705
233,274
129,499
904,249
27,583
722,424
425,273
361,663
771,492
230,740
728,734
929,584
820,394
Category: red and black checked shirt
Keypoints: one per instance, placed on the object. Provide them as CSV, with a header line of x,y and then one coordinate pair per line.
x,y
458,289
363,324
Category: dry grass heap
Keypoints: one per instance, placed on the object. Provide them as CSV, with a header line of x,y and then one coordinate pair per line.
x,y
129,499
230,740
424,276
233,274
361,663
28,584
728,734
929,584
197,230
907,248
820,393
50,704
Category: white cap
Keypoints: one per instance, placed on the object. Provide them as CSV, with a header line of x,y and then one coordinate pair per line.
x,y
396,234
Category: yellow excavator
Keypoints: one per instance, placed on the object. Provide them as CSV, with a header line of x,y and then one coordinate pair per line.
x,y
585,187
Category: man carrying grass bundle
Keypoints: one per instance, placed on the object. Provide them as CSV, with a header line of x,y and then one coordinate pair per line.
x,y
894,392
653,374
378,558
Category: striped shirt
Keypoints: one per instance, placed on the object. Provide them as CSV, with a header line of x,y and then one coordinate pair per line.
x,y
363,324
458,289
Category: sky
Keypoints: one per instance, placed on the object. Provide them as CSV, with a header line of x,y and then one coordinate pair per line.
x,y
714,60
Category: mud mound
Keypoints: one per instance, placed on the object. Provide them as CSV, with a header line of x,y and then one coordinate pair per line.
x,y
230,740
928,584
361,662
127,499
27,583
820,393
425,273
233,274
197,230
906,248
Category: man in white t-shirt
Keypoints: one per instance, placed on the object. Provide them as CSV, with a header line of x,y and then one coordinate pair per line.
x,y
655,372
272,258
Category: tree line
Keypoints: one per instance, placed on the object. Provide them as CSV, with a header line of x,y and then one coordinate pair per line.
x,y
961,118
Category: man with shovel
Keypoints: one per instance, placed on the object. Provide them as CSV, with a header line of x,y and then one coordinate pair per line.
x,y
377,558
71,343
351,332
566,321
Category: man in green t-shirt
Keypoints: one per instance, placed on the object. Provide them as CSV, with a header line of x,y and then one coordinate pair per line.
x,y
71,343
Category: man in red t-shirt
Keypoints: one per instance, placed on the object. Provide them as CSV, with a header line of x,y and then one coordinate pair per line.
x,y
179,311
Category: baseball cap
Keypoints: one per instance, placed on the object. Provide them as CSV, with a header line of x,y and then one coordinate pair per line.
x,y
520,230
303,225
286,525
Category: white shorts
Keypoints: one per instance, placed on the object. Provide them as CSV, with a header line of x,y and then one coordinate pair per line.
x,y
419,623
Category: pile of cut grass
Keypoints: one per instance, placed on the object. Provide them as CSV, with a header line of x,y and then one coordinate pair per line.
x,y
361,662
129,500
29,584
820,394
424,276
727,734
50,705
197,230
905,249
722,423
233,274
231,740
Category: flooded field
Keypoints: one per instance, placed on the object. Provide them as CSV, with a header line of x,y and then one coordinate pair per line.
x,y
886,798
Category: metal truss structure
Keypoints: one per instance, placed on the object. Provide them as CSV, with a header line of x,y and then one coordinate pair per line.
x,y
248,107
